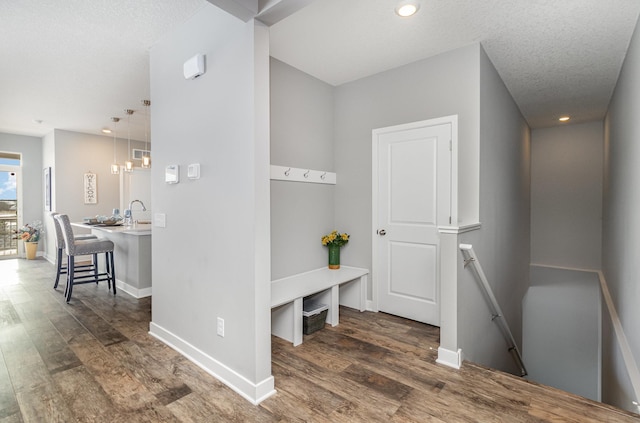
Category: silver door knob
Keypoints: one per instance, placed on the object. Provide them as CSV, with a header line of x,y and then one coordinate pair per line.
x,y
382,232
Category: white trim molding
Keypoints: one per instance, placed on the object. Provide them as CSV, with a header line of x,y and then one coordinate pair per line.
x,y
459,229
449,358
623,343
133,291
255,393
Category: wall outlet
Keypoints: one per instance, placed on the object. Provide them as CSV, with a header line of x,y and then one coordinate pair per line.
x,y
220,326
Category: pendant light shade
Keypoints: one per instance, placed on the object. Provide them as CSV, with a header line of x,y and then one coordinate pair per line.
x,y
146,156
128,165
115,167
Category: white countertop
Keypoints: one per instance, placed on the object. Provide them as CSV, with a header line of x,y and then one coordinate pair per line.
x,y
137,229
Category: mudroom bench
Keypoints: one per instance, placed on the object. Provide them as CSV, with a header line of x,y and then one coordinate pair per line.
x,y
345,286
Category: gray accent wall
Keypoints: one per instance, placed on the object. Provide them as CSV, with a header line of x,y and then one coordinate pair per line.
x,y
502,243
563,311
566,195
621,226
212,259
443,85
302,137
493,179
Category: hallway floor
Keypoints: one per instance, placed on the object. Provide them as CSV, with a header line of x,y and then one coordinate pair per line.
x,y
93,361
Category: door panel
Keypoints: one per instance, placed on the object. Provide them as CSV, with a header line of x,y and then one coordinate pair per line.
x,y
413,180
405,276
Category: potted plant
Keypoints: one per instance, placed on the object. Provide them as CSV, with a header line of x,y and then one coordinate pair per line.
x,y
334,241
30,234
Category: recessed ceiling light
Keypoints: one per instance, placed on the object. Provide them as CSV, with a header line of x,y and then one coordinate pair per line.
x,y
407,8
106,131
564,118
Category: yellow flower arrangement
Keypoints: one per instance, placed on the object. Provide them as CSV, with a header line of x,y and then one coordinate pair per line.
x,y
335,238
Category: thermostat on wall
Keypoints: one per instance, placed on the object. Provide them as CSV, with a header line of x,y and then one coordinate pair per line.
x,y
193,171
172,174
194,67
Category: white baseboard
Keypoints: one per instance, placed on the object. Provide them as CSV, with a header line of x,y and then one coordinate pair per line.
x,y
370,306
449,358
133,291
252,392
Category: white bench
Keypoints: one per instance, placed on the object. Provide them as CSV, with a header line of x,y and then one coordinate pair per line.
x,y
345,286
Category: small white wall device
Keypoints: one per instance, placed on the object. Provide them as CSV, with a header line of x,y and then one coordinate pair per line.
x,y
193,171
172,174
194,67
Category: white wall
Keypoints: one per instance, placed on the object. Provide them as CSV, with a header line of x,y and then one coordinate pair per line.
x,y
621,226
30,149
566,195
502,243
212,259
302,137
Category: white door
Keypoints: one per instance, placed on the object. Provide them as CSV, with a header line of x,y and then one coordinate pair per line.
x,y
413,177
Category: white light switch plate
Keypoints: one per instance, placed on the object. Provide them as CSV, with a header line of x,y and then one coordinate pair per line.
x,y
160,220
193,171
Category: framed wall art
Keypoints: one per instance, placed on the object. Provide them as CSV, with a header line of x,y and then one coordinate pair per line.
x,y
47,189
90,188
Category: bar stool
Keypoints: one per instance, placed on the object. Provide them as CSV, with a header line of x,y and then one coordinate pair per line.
x,y
61,267
86,247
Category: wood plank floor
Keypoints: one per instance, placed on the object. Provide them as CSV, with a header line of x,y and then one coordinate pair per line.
x,y
93,361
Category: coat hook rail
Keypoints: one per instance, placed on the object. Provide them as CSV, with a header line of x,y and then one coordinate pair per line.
x,y
294,174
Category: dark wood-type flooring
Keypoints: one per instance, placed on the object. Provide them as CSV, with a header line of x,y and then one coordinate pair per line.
x,y
93,361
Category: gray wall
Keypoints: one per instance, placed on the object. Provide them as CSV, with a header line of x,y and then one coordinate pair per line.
x,y
70,155
621,226
493,177
502,243
32,177
562,314
302,137
566,195
212,259
444,85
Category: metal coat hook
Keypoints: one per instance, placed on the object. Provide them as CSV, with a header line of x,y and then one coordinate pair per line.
x,y
301,174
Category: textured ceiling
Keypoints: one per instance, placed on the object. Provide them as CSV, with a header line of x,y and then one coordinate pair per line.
x,y
556,57
75,63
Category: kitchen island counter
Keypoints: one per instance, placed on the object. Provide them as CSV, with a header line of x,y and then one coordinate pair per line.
x,y
132,255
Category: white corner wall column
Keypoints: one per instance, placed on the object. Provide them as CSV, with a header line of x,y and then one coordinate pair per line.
x,y
449,352
222,121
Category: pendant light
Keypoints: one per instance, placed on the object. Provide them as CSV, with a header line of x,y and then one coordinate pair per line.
x,y
128,165
115,167
146,155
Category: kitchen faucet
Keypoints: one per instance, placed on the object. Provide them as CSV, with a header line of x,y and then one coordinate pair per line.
x,y
128,214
